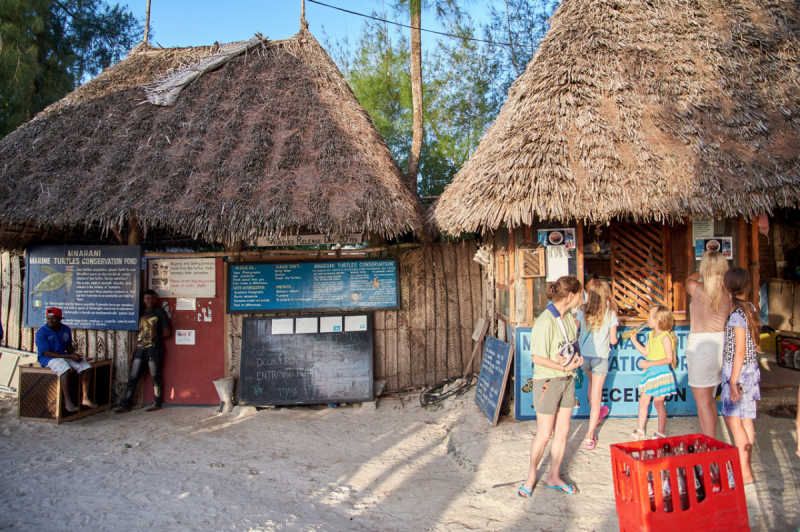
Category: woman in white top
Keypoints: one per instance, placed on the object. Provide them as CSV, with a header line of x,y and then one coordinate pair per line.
x,y
708,311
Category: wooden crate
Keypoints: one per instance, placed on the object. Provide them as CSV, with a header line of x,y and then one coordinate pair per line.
x,y
41,399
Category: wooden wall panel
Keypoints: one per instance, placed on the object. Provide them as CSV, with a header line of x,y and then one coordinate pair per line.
x,y
440,302
430,316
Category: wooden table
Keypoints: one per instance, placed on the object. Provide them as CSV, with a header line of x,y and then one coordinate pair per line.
x,y
41,398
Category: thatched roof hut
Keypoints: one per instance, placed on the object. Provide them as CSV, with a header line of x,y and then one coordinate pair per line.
x,y
272,141
643,110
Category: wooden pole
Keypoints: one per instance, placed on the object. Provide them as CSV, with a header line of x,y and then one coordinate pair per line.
x,y
741,249
147,24
303,23
579,254
755,264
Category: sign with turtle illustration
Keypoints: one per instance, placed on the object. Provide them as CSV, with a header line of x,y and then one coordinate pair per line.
x,y
334,285
97,287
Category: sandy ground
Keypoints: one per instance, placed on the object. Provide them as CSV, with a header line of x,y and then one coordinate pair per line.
x,y
397,467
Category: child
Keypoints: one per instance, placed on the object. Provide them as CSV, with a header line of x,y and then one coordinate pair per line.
x,y
598,322
740,373
658,381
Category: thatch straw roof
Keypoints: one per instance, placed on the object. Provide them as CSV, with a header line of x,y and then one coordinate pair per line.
x,y
645,110
272,141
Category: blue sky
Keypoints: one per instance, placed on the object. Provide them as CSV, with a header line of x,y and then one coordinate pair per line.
x,y
202,22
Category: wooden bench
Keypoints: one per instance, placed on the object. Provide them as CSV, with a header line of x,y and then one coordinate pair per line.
x,y
41,398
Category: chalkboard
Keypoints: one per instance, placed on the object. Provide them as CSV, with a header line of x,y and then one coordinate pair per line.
x,y
303,360
313,286
492,380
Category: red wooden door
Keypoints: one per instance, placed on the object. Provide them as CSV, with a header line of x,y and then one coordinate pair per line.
x,y
189,370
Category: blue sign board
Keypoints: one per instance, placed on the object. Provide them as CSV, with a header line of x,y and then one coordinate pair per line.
x,y
492,380
333,285
96,287
621,387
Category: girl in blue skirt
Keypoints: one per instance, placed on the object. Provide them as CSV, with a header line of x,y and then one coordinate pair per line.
x,y
658,381
740,373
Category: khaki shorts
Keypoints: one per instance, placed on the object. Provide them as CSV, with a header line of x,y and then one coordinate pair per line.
x,y
551,394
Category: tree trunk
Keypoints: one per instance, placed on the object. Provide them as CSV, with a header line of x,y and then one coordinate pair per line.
x,y
416,92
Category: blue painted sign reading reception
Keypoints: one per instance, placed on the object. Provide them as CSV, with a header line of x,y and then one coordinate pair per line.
x,y
492,380
358,285
97,287
621,387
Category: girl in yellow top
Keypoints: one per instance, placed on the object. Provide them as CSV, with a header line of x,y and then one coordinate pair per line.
x,y
658,381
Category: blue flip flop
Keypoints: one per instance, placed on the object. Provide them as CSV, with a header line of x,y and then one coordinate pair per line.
x,y
572,489
528,491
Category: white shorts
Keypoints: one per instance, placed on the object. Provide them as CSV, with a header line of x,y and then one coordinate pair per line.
x,y
704,359
62,365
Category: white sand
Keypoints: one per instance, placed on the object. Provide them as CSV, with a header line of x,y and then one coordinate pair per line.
x,y
399,467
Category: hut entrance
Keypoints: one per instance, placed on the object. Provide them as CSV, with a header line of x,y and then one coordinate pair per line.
x,y
639,264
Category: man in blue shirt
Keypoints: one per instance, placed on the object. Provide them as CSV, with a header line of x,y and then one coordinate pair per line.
x,y
54,345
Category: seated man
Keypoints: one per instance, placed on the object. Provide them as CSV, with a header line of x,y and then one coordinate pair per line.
x,y
54,344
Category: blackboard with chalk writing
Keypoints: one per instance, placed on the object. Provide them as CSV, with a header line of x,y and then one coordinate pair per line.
x,y
492,380
303,360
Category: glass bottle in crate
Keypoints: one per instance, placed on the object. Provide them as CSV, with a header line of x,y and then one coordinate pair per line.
x,y
683,492
716,487
651,490
731,481
698,483
666,490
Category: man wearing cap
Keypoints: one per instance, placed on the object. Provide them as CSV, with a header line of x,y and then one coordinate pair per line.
x,y
54,345
154,327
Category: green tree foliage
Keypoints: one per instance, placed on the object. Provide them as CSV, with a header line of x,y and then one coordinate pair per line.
x,y
48,47
520,24
457,104
464,82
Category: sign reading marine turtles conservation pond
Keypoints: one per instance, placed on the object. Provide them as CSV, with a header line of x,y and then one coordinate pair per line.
x,y
332,285
96,287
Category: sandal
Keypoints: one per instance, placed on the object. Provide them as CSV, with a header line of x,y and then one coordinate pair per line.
x,y
604,410
658,435
571,489
527,491
590,444
638,435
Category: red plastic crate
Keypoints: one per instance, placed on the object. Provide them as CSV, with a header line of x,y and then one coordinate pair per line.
x,y
723,510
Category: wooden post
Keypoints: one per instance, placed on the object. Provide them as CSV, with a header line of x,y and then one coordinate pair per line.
x,y
579,249
134,231
134,239
529,281
228,357
755,263
303,23
741,245
777,244
147,24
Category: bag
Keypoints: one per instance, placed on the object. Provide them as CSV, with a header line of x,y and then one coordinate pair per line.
x,y
571,349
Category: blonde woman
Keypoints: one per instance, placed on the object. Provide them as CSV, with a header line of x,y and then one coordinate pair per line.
x,y
708,311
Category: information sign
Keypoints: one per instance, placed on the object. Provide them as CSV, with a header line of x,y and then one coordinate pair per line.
x,y
329,286
96,287
182,277
621,387
492,380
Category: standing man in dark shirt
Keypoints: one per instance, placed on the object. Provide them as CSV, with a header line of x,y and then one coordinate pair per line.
x,y
54,345
154,327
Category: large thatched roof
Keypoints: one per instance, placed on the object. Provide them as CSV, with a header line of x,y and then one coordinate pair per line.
x,y
643,109
272,141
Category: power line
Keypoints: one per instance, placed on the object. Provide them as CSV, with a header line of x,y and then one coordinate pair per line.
x,y
407,26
